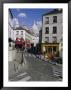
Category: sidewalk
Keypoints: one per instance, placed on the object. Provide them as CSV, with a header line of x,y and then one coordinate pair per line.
x,y
11,54
14,62
15,69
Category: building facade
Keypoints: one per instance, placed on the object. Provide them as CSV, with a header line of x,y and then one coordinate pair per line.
x,y
51,32
61,47
10,29
40,36
28,37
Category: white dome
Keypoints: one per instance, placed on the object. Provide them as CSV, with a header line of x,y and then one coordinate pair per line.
x,y
35,29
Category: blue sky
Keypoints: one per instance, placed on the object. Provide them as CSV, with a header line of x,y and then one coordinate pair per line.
x,y
28,16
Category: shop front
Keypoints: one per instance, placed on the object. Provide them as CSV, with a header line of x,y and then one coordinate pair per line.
x,y
50,50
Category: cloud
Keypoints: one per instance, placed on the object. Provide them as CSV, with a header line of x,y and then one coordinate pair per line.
x,y
22,15
39,24
15,21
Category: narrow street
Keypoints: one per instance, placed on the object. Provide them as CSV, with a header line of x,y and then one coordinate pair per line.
x,y
35,69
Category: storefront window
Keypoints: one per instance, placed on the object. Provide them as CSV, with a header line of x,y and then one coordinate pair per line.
x,y
54,48
49,49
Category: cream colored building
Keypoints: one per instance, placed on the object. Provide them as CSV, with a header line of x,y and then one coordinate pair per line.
x,y
61,47
52,29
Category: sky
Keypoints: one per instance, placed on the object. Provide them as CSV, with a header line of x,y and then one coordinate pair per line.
x,y
28,16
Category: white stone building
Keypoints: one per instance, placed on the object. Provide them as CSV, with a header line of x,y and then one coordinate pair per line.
x,y
52,29
10,24
10,28
35,40
20,32
35,29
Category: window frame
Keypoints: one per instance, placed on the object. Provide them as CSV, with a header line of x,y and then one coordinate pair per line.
x,y
17,32
47,20
54,32
21,32
46,30
54,39
54,20
46,39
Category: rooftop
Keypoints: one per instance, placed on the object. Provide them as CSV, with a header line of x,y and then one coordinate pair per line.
x,y
55,11
21,28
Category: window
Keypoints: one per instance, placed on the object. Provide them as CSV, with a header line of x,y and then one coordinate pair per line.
x,y
17,32
49,49
54,39
54,30
47,20
47,30
21,32
54,48
54,19
46,39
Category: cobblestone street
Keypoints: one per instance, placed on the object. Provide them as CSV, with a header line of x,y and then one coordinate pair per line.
x,y
32,69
